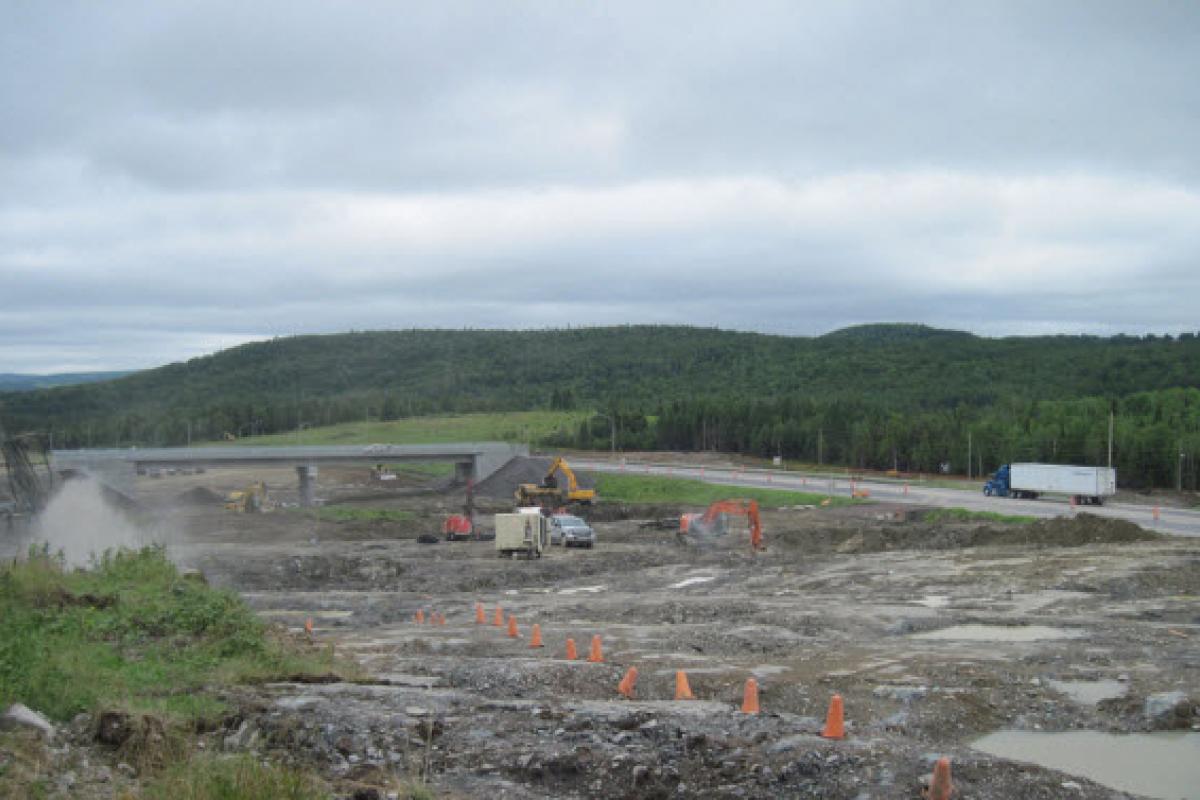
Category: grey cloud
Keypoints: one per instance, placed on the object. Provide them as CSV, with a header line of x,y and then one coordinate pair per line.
x,y
181,176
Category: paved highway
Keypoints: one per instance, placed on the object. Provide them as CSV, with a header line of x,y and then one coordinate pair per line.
x,y
1176,521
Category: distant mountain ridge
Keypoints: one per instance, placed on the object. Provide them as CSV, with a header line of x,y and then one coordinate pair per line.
x,y
19,382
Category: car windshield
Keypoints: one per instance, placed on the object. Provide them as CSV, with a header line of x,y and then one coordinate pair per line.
x,y
570,521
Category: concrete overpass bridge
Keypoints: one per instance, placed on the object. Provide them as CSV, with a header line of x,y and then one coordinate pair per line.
x,y
118,469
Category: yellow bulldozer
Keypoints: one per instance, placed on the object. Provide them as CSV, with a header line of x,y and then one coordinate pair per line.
x,y
549,494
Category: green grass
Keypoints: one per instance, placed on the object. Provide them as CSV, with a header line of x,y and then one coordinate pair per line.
x,y
966,515
354,514
131,634
240,777
654,489
515,426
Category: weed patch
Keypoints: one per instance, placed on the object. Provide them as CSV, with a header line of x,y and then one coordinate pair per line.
x,y
131,633
655,489
966,515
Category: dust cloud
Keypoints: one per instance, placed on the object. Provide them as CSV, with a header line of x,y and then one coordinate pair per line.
x,y
81,524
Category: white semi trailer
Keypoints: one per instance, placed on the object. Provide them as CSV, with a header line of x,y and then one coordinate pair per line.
x,y
1087,485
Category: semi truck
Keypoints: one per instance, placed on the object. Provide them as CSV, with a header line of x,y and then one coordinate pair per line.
x,y
1086,485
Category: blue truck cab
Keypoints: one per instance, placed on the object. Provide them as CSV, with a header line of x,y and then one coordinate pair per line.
x,y
999,485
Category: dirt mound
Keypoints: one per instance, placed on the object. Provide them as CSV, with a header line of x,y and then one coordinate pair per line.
x,y
199,496
1070,532
503,483
1083,529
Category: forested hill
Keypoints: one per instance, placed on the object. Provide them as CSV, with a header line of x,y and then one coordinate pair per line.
x,y
275,385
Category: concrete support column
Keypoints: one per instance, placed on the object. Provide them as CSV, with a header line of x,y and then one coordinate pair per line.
x,y
308,477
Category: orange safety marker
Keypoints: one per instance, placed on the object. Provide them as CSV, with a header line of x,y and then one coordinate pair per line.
x,y
596,656
512,627
535,640
441,618
835,726
308,627
498,620
1155,513
479,615
940,787
682,690
420,617
750,697
571,653
626,686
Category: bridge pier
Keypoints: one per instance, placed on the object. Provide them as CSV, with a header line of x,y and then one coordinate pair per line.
x,y
307,475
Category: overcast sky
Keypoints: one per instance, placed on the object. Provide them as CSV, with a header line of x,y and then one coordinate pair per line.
x,y
179,177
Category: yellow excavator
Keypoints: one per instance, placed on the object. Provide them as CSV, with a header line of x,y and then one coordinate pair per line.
x,y
251,500
549,494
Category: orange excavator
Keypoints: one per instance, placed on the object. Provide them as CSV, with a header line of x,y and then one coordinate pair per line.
x,y
698,527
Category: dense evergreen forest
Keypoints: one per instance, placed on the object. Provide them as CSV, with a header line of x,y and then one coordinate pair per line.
x,y
877,396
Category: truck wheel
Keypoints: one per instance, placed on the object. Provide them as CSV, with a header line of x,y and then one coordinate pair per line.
x,y
987,491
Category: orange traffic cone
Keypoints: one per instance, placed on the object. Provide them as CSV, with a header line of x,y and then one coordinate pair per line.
x,y
479,616
625,687
682,690
441,618
940,787
420,616
750,697
308,627
512,627
536,639
571,654
596,656
835,727
498,620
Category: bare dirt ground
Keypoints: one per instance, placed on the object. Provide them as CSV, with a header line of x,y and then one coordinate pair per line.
x,y
850,601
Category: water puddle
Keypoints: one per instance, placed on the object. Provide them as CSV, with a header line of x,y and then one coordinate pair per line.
x,y
1089,693
934,601
683,584
1161,765
1000,633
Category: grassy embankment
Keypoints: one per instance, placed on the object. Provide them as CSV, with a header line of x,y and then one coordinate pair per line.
x,y
132,635
654,489
515,426
966,515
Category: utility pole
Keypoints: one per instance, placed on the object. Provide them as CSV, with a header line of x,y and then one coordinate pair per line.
x,y
1110,438
820,445
189,427
968,455
1179,469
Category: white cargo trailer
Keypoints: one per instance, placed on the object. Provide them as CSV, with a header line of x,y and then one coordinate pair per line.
x,y
1088,485
526,533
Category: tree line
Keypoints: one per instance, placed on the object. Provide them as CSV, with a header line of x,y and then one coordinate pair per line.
x,y
878,396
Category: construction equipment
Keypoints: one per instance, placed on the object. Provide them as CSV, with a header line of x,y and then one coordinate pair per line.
x,y
457,526
548,494
251,500
526,533
703,528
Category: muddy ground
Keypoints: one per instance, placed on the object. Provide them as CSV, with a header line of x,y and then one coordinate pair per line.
x,y
844,600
